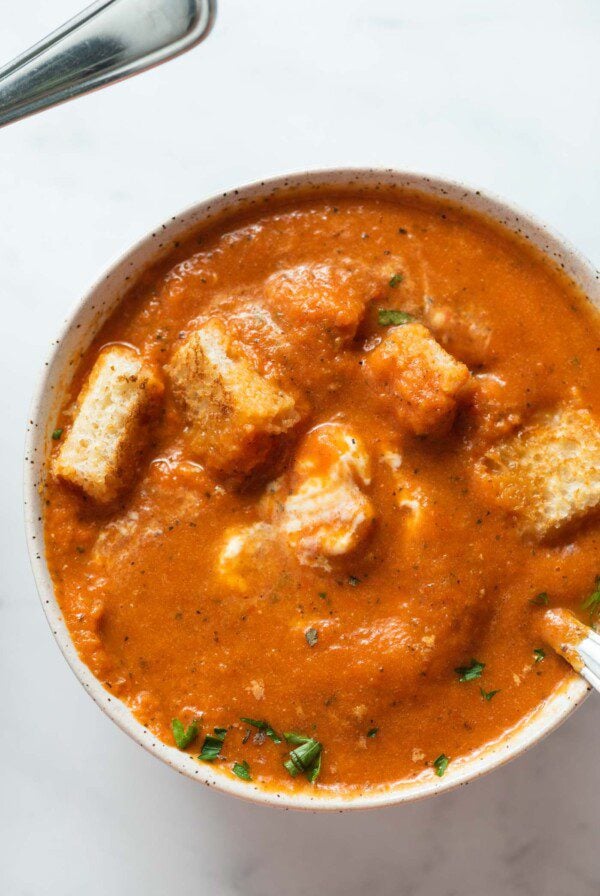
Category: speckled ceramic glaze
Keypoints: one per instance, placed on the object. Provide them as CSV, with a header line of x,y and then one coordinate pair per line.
x,y
77,333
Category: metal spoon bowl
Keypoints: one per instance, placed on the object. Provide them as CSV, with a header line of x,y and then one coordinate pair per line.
x,y
108,41
577,643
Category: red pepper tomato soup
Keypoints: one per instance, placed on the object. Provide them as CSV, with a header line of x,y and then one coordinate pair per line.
x,y
315,482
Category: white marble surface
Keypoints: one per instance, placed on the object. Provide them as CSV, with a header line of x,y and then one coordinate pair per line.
x,y
502,94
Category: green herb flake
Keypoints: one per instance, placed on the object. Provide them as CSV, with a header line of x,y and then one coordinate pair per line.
x,y
390,317
441,764
396,280
263,726
242,770
211,747
305,758
354,581
184,736
312,636
293,738
487,695
540,600
291,768
323,595
57,434
315,771
372,732
539,654
592,603
470,673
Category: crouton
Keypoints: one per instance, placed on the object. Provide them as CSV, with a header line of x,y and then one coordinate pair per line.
x,y
495,410
326,513
548,473
118,400
462,333
333,296
326,518
234,414
420,378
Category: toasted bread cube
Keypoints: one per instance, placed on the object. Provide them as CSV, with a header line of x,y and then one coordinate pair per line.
x,y
548,473
462,333
495,410
421,379
326,517
326,513
333,296
114,408
234,414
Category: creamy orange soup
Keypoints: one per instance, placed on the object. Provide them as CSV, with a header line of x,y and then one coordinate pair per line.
x,y
402,631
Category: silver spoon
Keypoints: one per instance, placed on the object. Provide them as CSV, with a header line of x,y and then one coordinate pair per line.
x,y
108,41
577,643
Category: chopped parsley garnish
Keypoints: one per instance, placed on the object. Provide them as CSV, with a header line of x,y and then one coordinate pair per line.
x,y
372,732
390,317
305,758
539,654
315,771
184,736
57,434
592,603
470,673
263,726
312,636
540,600
293,738
242,770
323,595
354,581
396,280
487,695
211,747
440,765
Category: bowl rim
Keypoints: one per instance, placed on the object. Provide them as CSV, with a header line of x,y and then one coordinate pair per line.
x,y
514,742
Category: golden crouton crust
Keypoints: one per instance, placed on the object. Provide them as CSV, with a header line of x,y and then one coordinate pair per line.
x,y
419,376
100,451
333,296
548,472
326,513
234,414
463,333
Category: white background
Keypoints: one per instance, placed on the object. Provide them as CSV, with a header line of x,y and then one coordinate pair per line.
x,y
501,93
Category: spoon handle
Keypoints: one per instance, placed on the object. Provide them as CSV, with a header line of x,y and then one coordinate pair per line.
x,y
108,41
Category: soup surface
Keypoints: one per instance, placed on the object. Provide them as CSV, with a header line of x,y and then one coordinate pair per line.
x,y
308,533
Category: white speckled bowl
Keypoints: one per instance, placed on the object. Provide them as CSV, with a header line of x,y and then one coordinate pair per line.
x,y
78,331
